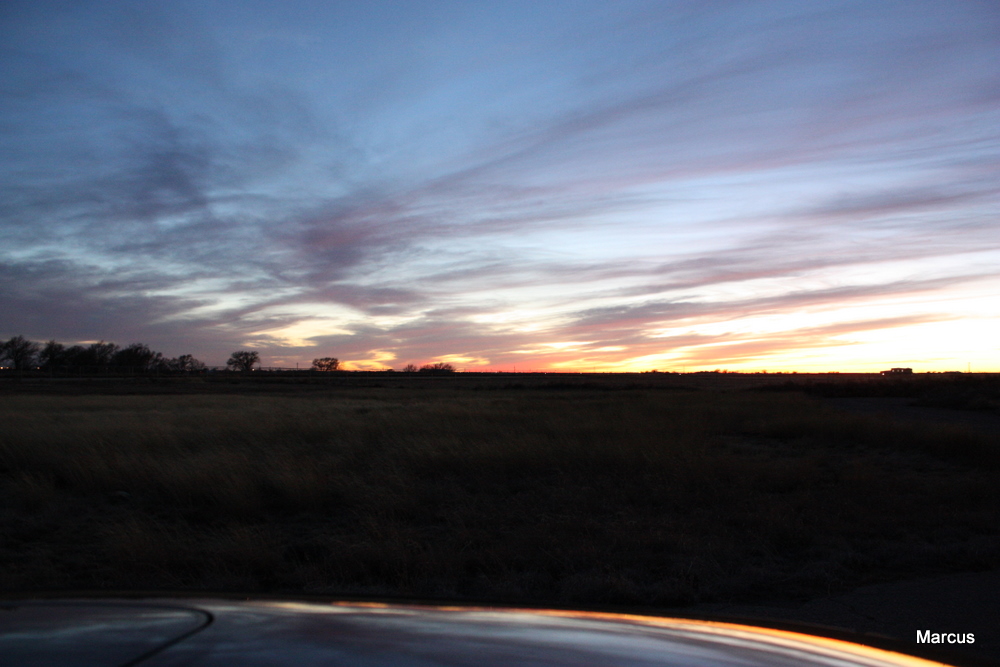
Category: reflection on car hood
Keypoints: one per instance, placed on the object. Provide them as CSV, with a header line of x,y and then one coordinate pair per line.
x,y
203,632
70,632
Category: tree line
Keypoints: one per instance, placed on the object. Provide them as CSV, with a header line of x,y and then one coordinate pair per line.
x,y
333,364
23,354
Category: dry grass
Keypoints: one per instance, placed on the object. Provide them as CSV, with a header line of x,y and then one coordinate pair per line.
x,y
572,496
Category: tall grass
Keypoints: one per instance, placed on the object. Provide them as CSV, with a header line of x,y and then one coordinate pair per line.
x,y
633,496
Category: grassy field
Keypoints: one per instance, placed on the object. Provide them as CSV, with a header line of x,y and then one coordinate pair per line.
x,y
555,494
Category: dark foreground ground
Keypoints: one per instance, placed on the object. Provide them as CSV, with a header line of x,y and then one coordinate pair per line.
x,y
712,493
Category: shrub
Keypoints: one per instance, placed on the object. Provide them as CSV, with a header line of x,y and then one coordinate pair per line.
x,y
438,368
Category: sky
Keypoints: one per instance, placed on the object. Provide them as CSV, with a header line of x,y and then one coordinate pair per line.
x,y
542,185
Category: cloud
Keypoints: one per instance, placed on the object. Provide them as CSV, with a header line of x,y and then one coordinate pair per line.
x,y
650,314
47,300
498,182
760,348
930,198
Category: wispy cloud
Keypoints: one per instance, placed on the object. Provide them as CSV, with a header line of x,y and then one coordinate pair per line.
x,y
387,185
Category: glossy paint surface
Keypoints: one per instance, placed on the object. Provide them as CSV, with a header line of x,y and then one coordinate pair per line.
x,y
293,633
90,633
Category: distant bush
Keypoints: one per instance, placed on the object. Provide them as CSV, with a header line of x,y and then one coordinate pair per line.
x,y
438,368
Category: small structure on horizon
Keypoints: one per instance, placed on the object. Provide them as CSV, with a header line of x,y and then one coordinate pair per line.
x,y
898,371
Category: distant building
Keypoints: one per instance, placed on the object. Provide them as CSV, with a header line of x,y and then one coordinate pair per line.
x,y
898,371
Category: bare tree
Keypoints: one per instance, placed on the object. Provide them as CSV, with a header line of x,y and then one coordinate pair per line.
x,y
185,363
20,352
326,364
410,368
243,360
99,354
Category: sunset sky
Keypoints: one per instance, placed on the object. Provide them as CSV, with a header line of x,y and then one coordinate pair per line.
x,y
609,186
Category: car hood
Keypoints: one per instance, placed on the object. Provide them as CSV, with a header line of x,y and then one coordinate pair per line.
x,y
209,632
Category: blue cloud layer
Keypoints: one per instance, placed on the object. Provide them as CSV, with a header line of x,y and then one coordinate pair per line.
x,y
416,180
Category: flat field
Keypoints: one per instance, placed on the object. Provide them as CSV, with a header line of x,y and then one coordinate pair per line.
x,y
545,492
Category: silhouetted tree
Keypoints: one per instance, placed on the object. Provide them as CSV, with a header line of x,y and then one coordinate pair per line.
x,y
437,368
137,356
20,352
75,355
326,364
410,368
185,363
99,354
52,355
243,360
